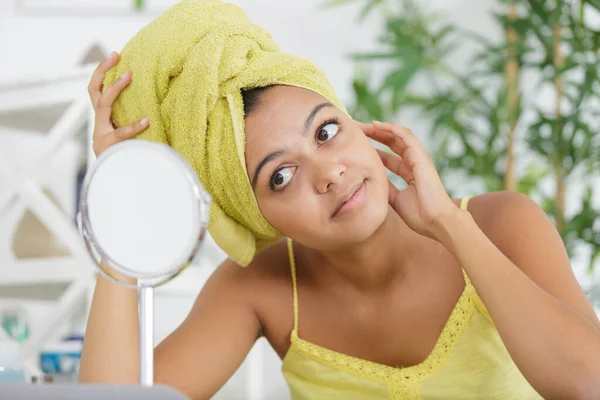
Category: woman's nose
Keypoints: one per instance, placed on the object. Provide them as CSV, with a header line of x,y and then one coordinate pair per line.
x,y
328,174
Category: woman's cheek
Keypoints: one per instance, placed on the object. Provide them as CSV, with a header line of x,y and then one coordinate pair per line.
x,y
282,212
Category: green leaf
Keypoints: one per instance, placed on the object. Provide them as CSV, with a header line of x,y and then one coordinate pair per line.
x,y
368,105
538,9
365,11
335,3
594,3
540,26
443,33
529,180
398,80
521,26
592,265
373,56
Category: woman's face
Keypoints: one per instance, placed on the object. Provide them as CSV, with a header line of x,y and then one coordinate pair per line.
x,y
316,176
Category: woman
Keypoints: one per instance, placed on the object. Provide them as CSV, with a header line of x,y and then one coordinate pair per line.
x,y
378,293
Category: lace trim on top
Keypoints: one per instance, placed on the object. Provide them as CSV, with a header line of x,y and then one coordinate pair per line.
x,y
402,380
384,373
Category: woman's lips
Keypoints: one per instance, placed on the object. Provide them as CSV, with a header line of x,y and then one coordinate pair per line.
x,y
354,202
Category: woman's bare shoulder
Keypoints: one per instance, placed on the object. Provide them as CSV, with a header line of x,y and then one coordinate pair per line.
x,y
270,263
489,208
264,286
268,271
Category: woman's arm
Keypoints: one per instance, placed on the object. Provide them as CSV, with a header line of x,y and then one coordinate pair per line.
x,y
521,271
210,345
110,347
196,359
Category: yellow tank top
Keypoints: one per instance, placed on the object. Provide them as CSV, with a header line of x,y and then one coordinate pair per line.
x,y
469,361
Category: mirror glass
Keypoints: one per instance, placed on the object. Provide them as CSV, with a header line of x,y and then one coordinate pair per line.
x,y
143,210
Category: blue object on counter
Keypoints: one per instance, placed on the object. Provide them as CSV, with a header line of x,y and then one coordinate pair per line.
x,y
61,358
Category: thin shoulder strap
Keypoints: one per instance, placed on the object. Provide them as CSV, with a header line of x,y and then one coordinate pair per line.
x,y
463,206
294,284
464,203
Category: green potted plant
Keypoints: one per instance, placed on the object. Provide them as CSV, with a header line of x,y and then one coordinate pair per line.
x,y
523,115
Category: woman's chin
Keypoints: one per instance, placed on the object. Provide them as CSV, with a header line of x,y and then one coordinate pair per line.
x,y
364,224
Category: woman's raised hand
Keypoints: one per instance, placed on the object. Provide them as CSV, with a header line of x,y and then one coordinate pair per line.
x,y
105,133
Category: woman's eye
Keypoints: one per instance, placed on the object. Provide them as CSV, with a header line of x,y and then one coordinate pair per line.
x,y
281,178
327,132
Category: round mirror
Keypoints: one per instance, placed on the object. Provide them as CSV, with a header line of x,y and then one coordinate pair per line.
x,y
143,211
144,214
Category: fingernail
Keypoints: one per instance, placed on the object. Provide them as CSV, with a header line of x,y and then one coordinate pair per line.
x,y
377,122
112,53
144,121
124,76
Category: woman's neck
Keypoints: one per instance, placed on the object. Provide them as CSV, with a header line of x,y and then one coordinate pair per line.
x,y
378,261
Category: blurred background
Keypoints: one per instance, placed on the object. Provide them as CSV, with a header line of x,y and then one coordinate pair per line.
x,y
504,95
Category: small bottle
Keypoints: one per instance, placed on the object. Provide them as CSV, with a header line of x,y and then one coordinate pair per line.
x,y
11,369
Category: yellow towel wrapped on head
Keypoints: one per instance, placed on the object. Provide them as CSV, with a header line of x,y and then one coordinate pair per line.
x,y
190,66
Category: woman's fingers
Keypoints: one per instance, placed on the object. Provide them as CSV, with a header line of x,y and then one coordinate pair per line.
x,y
130,131
396,137
111,93
393,192
365,127
398,131
95,85
401,141
105,134
103,142
105,103
386,138
396,165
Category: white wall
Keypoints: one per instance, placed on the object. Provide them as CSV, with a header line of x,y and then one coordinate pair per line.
x,y
33,44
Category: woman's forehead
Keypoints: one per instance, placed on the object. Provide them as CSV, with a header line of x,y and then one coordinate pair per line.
x,y
283,97
281,109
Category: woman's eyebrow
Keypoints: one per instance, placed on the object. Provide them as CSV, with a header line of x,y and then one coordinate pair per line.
x,y
313,114
269,157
